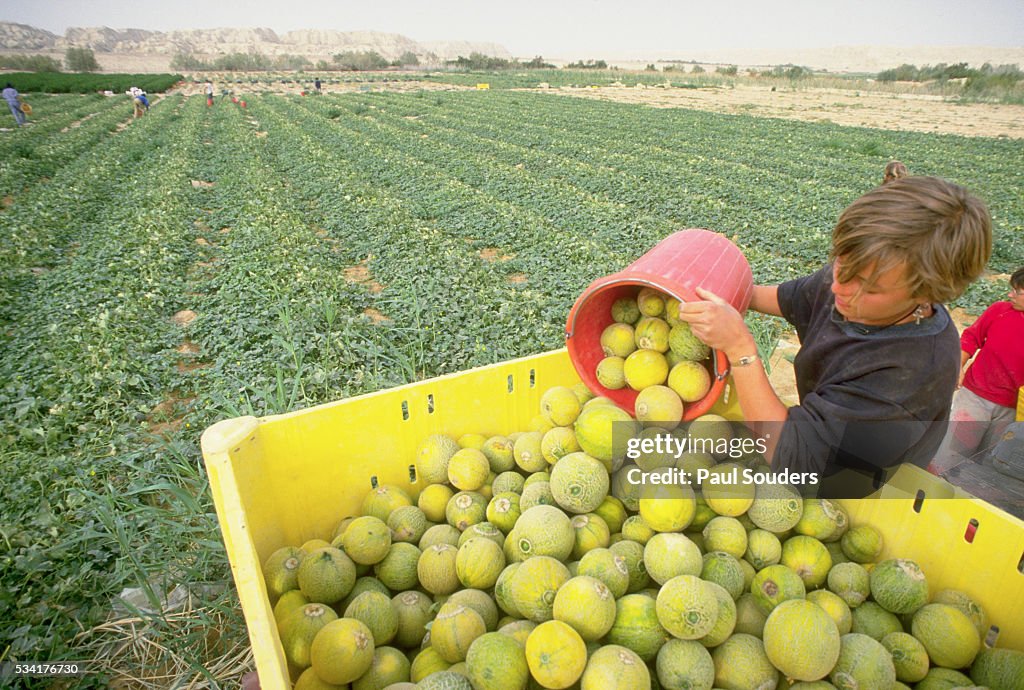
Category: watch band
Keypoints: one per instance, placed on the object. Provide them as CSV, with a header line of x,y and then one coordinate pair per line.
x,y
746,360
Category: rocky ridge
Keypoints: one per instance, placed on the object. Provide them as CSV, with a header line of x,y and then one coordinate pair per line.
x,y
312,43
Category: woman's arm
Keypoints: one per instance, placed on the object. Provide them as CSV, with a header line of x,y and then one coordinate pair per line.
x,y
717,323
766,300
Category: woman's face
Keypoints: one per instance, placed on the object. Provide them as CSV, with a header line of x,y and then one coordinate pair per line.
x,y
873,300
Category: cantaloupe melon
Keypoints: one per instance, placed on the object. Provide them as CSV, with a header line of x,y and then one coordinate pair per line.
x,y
687,607
342,651
948,634
586,604
556,654
614,667
497,662
637,626
899,585
801,640
454,629
863,663
579,483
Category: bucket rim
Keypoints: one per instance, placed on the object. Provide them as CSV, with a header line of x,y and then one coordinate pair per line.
x,y
619,280
719,366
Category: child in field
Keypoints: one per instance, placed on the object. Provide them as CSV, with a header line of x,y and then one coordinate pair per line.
x,y
985,402
894,171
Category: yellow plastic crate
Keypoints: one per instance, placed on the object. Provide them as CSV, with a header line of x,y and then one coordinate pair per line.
x,y
285,479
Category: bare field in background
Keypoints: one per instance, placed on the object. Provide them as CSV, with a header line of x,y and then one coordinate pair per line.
x,y
858,108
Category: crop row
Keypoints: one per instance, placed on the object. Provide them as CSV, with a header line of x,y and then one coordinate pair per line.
x,y
62,182
796,165
89,351
695,169
62,128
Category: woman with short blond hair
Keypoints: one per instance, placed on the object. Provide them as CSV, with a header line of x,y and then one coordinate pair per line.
x,y
879,352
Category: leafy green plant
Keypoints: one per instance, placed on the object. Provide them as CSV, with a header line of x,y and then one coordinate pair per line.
x,y
29,63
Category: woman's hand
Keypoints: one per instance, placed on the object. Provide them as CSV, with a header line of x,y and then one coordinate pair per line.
x,y
718,324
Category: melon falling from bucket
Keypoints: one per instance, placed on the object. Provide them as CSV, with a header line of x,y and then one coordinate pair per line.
x,y
676,266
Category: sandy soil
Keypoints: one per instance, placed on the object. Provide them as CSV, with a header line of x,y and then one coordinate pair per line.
x,y
853,108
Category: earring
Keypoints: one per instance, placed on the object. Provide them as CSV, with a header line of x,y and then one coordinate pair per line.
x,y
920,313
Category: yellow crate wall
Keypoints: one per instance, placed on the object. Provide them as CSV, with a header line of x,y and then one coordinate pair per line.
x,y
281,480
988,567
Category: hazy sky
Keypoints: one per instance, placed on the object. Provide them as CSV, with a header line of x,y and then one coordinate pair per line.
x,y
558,27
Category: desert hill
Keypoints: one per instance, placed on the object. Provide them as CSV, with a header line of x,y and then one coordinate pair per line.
x,y
315,44
151,51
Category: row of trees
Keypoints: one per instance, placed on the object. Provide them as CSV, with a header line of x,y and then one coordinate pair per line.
x,y
258,62
359,61
987,74
479,61
75,60
589,64
977,80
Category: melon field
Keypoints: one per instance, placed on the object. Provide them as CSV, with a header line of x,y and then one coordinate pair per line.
x,y
161,274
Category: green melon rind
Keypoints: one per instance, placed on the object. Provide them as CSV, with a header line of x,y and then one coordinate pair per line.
x,y
637,626
999,668
899,585
741,662
948,634
495,661
684,664
614,666
908,656
863,663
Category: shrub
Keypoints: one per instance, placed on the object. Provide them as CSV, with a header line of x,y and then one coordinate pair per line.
x,y
81,60
589,64
29,63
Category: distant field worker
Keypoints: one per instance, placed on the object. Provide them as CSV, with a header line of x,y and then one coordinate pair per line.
x,y
209,93
139,102
10,94
894,171
985,403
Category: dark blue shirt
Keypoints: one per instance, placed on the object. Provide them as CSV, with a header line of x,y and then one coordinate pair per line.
x,y
870,397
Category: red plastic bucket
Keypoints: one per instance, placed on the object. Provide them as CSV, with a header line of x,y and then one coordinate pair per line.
x,y
677,265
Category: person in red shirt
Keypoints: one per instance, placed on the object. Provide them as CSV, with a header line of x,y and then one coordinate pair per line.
x,y
986,401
